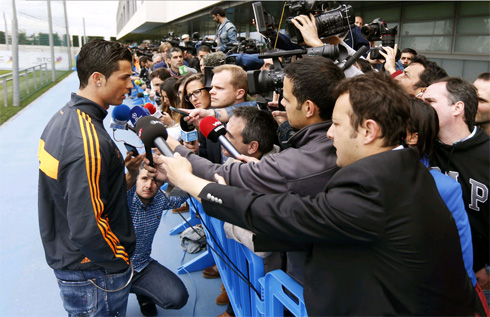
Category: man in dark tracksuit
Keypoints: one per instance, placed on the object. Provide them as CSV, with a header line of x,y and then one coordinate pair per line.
x,y
85,225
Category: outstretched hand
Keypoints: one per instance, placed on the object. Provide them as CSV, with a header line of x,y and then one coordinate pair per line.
x,y
196,115
177,168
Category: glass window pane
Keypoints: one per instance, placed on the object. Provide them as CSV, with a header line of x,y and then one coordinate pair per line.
x,y
474,25
473,44
428,28
387,14
474,68
474,7
452,67
429,11
427,44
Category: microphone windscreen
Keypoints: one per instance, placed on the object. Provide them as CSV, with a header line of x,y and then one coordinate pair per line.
x,y
150,107
149,128
140,95
121,113
136,113
212,128
186,126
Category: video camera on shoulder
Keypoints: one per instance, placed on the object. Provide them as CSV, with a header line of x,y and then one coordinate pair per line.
x,y
266,82
378,31
334,21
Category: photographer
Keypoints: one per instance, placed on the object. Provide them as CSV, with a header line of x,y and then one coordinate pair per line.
x,y
226,32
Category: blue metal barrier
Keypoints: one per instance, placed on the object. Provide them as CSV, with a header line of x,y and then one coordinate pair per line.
x,y
272,297
276,298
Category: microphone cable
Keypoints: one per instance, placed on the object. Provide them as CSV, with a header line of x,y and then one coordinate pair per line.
x,y
234,269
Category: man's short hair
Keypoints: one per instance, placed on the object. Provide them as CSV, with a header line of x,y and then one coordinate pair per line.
x,y
364,65
144,59
461,90
155,56
204,48
214,59
431,73
172,50
423,121
161,73
165,46
218,10
239,78
410,50
484,76
376,96
100,56
260,126
314,78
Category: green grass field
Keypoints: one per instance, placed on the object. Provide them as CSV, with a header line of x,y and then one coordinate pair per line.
x,y
8,111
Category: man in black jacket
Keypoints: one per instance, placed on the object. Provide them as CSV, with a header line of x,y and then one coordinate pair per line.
x,y
309,162
462,151
85,225
383,241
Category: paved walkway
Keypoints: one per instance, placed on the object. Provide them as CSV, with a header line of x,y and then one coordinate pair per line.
x,y
28,286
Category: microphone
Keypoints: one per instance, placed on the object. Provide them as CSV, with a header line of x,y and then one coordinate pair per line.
x,y
120,117
153,133
215,131
153,110
188,132
136,113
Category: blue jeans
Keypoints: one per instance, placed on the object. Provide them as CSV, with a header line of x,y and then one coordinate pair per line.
x,y
160,285
82,298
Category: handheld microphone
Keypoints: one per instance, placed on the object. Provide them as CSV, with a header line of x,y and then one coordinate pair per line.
x,y
352,59
153,133
153,110
215,131
188,132
120,117
136,113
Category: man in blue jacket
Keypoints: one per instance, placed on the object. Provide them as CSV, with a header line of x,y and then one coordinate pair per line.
x,y
226,32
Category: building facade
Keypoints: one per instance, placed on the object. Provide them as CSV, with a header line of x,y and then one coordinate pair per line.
x,y
455,34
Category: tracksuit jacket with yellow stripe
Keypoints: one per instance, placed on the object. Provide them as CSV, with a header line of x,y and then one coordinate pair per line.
x,y
83,213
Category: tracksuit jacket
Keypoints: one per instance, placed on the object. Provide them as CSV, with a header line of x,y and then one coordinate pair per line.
x,y
83,214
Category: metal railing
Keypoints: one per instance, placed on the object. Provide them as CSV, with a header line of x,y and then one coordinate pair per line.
x,y
38,80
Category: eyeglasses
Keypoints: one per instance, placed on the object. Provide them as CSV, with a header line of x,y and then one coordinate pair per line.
x,y
196,94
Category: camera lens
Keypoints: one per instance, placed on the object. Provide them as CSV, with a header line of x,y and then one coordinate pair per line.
x,y
335,21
